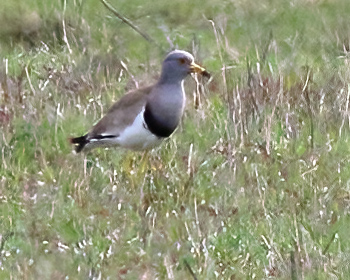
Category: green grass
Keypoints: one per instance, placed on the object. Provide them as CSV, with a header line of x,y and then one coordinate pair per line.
x,y
253,185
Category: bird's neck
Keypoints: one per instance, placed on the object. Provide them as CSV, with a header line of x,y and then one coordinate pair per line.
x,y
167,77
170,87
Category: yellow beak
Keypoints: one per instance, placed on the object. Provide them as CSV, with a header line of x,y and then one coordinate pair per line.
x,y
195,68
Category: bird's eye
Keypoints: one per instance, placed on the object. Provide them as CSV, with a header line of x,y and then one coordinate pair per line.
x,y
182,60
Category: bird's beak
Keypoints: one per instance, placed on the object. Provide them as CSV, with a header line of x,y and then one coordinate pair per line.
x,y
195,68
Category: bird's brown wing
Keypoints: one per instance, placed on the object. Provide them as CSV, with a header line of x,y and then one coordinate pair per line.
x,y
122,114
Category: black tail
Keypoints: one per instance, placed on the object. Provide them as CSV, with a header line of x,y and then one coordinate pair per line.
x,y
79,142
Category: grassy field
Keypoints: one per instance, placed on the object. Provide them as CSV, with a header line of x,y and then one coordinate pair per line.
x,y
255,184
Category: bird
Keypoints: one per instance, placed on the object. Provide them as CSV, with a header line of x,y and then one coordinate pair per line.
x,y
143,118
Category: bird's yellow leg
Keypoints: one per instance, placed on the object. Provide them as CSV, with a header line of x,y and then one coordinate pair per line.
x,y
144,163
136,169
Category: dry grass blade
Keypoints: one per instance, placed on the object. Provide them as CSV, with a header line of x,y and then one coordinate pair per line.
x,y
190,270
128,22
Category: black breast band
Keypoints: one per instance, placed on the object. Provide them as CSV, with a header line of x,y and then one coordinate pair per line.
x,y
156,125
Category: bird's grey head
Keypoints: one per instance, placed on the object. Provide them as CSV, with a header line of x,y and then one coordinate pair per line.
x,y
176,66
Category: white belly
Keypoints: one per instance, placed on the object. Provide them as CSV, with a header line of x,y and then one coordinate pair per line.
x,y
137,137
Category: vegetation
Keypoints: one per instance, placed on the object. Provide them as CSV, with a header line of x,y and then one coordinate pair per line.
x,y
253,185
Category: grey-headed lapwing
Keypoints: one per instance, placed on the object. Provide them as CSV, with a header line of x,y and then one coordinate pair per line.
x,y
142,118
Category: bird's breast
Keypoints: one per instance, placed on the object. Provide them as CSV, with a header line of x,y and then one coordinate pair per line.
x,y
159,125
164,109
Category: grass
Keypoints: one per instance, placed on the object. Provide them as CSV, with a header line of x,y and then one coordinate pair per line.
x,y
253,185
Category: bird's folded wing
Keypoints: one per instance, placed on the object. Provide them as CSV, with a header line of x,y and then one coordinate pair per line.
x,y
122,114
